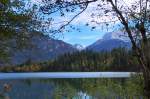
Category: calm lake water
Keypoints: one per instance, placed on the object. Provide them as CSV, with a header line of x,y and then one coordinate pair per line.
x,y
89,85
66,75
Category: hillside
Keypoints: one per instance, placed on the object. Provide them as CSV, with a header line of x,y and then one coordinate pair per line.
x,y
40,48
110,41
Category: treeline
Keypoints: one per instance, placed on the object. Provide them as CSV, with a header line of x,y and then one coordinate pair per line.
x,y
118,59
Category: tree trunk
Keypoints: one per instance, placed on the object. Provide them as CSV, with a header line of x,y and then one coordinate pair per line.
x,y
146,72
142,52
147,84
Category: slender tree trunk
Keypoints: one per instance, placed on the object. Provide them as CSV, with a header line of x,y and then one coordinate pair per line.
x,y
146,72
147,84
142,53
145,54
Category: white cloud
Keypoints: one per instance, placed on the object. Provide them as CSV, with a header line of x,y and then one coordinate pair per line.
x,y
99,13
36,1
86,17
88,37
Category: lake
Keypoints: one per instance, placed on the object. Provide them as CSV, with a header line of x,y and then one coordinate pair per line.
x,y
66,75
70,85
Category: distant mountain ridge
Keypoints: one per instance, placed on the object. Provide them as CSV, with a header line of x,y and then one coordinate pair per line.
x,y
78,47
44,48
110,41
116,35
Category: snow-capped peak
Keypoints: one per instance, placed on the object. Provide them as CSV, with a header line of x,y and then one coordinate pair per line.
x,y
79,47
116,35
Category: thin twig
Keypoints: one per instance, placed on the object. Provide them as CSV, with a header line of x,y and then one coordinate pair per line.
x,y
73,18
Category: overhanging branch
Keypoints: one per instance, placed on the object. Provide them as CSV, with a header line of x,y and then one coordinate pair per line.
x,y
63,26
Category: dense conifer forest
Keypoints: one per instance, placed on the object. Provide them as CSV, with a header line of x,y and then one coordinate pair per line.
x,y
118,59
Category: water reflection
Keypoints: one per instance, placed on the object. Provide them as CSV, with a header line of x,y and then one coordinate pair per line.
x,y
4,92
71,89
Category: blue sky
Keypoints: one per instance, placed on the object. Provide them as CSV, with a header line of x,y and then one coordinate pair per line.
x,y
86,36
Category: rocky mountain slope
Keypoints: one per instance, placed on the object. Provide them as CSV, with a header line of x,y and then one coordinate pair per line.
x,y
110,41
41,48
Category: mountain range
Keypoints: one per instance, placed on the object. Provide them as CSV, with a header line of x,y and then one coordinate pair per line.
x,y
41,48
110,41
45,48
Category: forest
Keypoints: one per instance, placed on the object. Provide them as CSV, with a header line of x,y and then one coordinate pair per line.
x,y
119,59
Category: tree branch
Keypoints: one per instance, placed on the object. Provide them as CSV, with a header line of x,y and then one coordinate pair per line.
x,y
138,51
66,4
73,18
124,23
